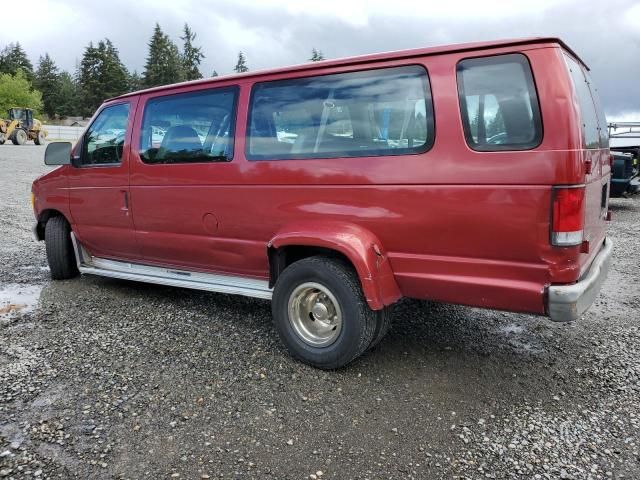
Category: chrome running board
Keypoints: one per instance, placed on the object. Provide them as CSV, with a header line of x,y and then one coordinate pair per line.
x,y
249,287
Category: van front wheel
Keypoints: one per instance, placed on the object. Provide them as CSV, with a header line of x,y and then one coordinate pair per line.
x,y
321,314
60,256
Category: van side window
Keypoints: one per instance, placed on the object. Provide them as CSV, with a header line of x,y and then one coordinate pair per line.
x,y
189,127
369,113
104,140
603,126
588,115
499,103
594,124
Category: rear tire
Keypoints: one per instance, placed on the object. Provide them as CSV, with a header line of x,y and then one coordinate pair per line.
x,y
19,137
2,138
40,138
339,327
60,255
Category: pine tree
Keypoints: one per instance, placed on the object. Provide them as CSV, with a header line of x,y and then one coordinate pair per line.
x,y
48,82
101,75
191,55
316,55
12,58
135,81
214,74
67,101
114,77
164,64
89,81
241,66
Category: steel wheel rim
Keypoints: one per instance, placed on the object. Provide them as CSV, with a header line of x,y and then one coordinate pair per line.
x,y
315,314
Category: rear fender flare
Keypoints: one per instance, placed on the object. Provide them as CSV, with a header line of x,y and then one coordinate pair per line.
x,y
359,245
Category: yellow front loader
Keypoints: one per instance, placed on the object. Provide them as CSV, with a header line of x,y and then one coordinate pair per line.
x,y
22,127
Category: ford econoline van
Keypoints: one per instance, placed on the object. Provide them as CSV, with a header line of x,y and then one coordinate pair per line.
x,y
475,174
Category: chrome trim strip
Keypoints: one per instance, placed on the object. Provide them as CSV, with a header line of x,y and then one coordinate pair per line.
x,y
569,302
76,250
231,284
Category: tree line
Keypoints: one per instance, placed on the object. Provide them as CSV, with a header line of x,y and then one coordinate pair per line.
x,y
100,74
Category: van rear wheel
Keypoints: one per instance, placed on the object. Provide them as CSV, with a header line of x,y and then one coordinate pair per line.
x,y
321,314
60,256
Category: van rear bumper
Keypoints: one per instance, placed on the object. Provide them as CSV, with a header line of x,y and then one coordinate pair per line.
x,y
568,302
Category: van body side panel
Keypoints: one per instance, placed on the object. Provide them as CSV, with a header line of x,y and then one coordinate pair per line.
x,y
596,170
51,192
457,225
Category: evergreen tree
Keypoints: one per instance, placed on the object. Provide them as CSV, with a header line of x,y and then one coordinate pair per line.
x,y
316,55
47,81
13,58
214,74
67,101
241,66
191,55
101,75
113,76
164,64
88,80
135,81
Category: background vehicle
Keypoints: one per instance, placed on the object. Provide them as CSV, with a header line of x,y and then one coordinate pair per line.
x,y
625,149
336,189
22,127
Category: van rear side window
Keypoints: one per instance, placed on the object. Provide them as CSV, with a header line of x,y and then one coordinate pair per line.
x,y
369,113
499,103
594,123
189,128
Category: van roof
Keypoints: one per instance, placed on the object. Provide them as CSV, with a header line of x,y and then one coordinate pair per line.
x,y
394,55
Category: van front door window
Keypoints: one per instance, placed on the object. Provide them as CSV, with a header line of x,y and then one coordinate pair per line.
x,y
104,139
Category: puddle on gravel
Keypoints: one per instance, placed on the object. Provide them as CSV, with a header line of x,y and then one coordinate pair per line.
x,y
16,298
32,267
520,338
511,328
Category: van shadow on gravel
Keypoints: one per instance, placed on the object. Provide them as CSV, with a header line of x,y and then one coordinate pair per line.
x,y
448,351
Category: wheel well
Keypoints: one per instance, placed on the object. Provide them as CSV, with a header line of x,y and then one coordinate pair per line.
x,y
281,258
44,217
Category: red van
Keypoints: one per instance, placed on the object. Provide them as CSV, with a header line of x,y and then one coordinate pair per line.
x,y
475,174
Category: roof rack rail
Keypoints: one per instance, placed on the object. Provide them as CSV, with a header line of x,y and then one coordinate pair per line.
x,y
627,130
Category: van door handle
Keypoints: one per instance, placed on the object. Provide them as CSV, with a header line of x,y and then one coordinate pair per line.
x,y
126,200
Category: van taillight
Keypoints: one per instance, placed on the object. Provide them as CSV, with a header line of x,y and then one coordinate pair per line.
x,y
567,222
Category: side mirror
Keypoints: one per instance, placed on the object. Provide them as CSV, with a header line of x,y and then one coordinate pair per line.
x,y
58,153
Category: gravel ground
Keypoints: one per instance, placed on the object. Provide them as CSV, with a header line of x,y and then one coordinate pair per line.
x,y
102,378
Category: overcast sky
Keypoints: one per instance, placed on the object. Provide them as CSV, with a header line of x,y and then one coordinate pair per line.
x,y
606,33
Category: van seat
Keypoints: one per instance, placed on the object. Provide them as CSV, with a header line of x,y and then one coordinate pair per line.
x,y
180,139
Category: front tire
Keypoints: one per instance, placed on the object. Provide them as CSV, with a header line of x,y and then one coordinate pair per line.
x,y
60,256
19,137
321,314
40,138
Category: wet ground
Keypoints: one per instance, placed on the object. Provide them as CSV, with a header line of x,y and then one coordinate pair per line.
x,y
102,378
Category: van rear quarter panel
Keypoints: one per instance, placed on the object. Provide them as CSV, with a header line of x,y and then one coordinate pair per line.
x,y
457,225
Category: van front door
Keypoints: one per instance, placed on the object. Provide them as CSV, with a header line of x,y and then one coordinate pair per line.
x,y
99,185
